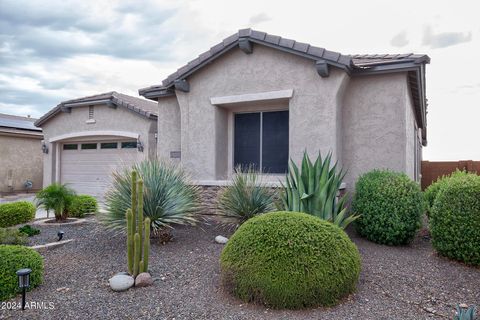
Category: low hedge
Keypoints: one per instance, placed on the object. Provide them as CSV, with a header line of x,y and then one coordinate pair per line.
x,y
12,236
455,220
14,213
390,205
290,260
431,192
82,204
13,259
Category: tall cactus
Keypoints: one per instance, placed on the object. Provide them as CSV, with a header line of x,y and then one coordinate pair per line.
x,y
140,210
146,246
129,241
138,231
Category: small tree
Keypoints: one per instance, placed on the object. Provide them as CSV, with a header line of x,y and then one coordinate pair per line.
x,y
56,197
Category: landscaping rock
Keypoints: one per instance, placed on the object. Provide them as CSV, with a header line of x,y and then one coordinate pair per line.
x,y
221,239
144,279
122,273
121,282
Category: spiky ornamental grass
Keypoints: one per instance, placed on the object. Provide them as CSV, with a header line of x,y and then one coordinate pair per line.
x,y
314,188
168,197
245,198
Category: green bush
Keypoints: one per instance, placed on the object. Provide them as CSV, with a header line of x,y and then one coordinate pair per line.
x,y
431,192
13,213
82,204
12,236
13,259
168,197
290,260
455,220
29,230
245,198
390,205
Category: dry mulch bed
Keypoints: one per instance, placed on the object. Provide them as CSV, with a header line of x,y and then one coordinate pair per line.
x,y
396,282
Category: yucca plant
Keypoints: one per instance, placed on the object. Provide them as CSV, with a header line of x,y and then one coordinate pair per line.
x,y
313,189
245,198
168,197
465,313
56,197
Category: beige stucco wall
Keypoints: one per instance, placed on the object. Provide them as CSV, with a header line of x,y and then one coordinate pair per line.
x,y
22,156
169,128
374,132
361,119
410,136
106,119
313,107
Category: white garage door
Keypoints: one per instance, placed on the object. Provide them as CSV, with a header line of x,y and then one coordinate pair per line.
x,y
87,166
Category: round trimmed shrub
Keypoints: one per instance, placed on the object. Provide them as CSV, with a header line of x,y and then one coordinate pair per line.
x,y
455,220
13,259
290,260
82,204
390,205
13,213
431,192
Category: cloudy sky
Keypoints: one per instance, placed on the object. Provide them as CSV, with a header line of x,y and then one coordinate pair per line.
x,y
56,50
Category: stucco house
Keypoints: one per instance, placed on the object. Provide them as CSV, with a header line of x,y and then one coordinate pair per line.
x,y
261,99
88,137
20,154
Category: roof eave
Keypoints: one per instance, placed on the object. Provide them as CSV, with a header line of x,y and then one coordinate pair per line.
x,y
112,100
155,92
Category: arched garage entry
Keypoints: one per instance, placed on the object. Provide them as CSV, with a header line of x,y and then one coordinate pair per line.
x,y
85,160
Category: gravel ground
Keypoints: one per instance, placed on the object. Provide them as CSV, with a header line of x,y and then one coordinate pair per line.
x,y
396,282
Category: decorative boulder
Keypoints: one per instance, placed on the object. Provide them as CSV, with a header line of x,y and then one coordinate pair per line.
x,y
121,282
144,279
221,239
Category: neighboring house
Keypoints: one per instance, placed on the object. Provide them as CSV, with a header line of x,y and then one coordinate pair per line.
x,y
20,154
261,99
89,137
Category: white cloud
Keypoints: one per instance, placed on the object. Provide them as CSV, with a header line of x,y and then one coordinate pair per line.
x,y
444,39
400,40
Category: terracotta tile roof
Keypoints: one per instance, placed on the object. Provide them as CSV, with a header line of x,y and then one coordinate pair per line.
x,y
362,60
141,106
349,63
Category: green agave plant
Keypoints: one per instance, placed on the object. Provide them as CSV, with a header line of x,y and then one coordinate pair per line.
x,y
313,189
168,197
465,313
245,198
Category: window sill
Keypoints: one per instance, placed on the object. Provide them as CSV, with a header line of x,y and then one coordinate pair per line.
x,y
90,121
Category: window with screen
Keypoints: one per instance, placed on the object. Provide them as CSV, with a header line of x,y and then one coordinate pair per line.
x,y
261,141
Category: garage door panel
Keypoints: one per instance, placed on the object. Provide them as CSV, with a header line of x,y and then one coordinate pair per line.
x,y
89,171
